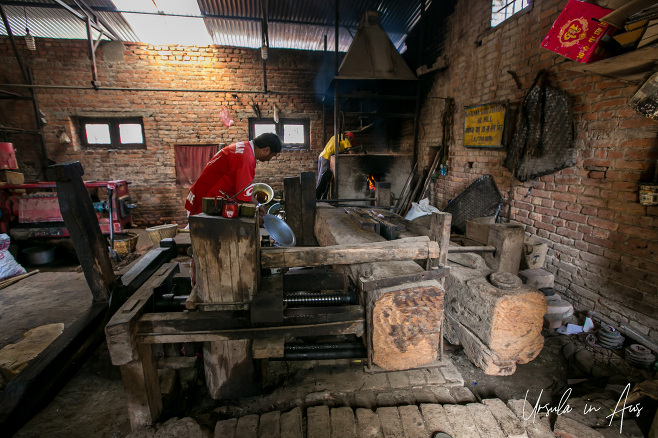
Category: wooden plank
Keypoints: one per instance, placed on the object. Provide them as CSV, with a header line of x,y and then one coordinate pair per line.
x,y
121,331
391,423
142,387
82,224
368,424
428,178
267,304
269,425
14,357
387,230
308,208
145,266
295,280
398,250
342,423
365,222
292,192
33,388
292,424
225,255
226,428
412,422
464,249
318,422
434,274
247,427
158,329
631,66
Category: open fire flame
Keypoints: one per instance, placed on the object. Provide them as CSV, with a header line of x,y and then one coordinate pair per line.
x,y
371,182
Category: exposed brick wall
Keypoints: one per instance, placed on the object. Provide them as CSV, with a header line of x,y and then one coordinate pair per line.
x,y
170,118
603,243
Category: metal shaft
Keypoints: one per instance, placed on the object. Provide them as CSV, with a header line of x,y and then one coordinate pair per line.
x,y
312,299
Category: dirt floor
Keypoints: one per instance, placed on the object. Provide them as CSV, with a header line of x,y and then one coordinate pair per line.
x,y
92,404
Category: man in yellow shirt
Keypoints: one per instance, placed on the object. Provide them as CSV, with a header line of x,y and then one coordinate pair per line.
x,y
346,142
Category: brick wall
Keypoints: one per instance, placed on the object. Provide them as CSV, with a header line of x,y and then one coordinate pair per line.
x,y
170,118
603,243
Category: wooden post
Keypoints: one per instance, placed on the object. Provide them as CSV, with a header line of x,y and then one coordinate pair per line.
x,y
292,191
82,225
136,361
440,233
308,208
142,387
226,259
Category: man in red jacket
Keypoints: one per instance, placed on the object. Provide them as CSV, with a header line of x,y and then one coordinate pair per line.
x,y
232,169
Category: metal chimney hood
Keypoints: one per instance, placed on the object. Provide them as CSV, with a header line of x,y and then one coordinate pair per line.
x,y
372,55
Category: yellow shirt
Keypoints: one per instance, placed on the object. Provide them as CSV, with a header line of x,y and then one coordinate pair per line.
x,y
329,148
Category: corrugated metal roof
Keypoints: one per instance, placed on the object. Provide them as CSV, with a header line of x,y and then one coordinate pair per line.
x,y
49,20
293,24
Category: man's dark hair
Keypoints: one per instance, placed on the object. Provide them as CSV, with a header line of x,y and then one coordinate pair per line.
x,y
269,140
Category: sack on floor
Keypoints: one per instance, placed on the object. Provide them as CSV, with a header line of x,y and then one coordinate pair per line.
x,y
8,266
422,208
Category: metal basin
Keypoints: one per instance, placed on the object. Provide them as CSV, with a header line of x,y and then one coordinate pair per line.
x,y
38,255
279,231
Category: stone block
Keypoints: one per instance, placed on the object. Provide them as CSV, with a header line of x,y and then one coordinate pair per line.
x,y
537,278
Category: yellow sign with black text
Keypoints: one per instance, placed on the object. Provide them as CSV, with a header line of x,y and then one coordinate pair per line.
x,y
484,125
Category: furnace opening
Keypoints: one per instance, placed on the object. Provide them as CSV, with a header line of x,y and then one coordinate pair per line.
x,y
371,180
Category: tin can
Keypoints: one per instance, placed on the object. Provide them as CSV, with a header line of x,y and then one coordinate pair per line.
x,y
648,194
230,208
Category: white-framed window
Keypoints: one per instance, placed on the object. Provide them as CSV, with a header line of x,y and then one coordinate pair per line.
x,y
294,133
501,10
112,132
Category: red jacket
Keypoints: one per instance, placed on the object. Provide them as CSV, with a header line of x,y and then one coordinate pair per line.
x,y
229,170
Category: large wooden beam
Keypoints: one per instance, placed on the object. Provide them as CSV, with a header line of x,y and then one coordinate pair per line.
x,y
82,224
394,250
121,331
226,258
234,325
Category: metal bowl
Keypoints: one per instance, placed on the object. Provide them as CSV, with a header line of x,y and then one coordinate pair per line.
x,y
38,255
277,210
279,231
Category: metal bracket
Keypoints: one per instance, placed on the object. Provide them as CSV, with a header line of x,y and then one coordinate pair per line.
x,y
434,274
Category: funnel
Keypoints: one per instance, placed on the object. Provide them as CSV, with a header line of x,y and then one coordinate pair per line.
x,y
262,193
